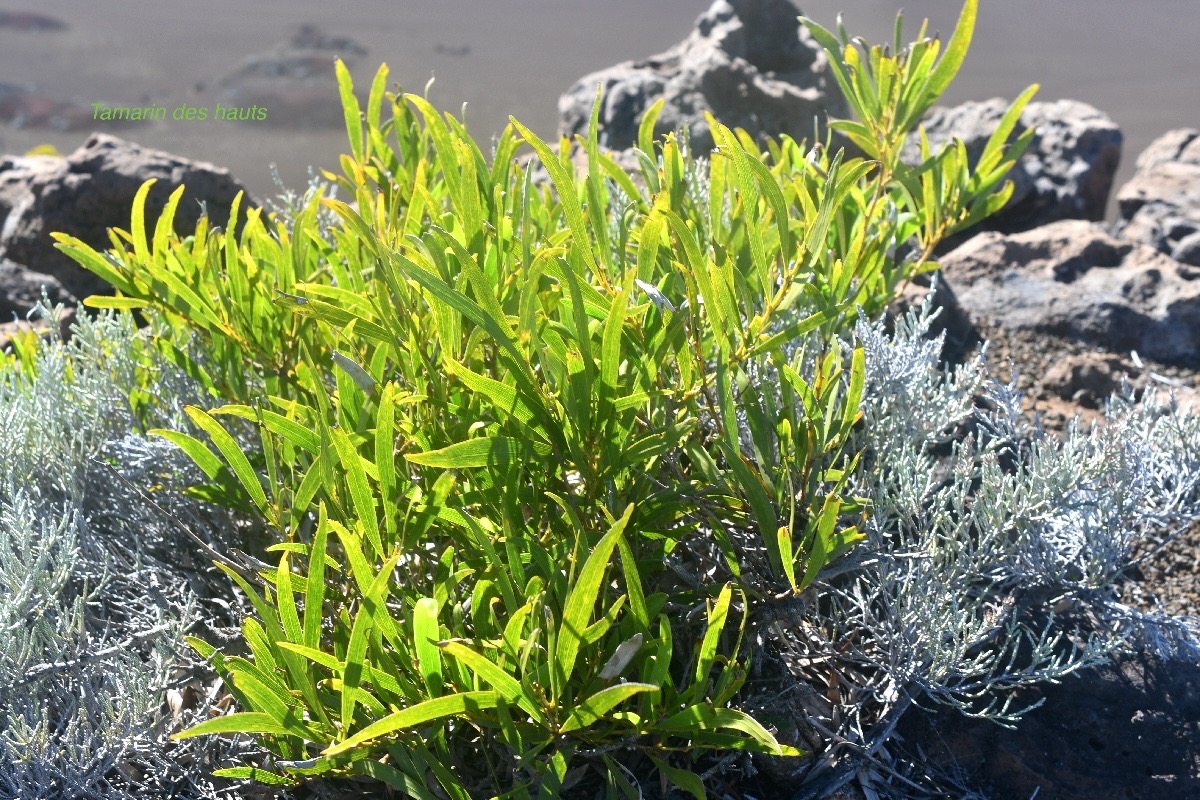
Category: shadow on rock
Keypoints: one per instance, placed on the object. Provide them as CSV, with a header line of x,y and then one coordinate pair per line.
x,y
1126,732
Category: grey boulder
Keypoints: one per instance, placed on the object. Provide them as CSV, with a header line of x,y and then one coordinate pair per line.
x,y
1067,171
92,190
1074,280
748,62
21,289
1160,206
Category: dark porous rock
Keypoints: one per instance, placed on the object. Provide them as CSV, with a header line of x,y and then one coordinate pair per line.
x,y
1128,730
1067,171
92,190
1160,205
21,289
748,62
1187,250
1072,279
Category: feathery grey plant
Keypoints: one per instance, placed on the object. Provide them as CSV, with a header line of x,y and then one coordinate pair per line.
x,y
289,204
993,549
95,589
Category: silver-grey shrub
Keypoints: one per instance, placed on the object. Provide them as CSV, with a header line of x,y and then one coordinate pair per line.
x,y
993,550
97,579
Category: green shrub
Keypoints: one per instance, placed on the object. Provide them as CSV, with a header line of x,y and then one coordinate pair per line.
x,y
535,452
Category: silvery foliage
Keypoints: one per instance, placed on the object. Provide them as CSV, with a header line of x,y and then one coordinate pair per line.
x,y
97,583
1014,539
288,204
993,549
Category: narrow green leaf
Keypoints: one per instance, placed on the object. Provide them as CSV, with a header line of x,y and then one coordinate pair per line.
x,y
338,317
853,399
375,98
256,774
610,347
994,149
564,184
790,334
956,51
646,126
597,705
137,224
285,600
291,431
703,717
479,452
419,714
581,600
240,722
116,303
396,778
314,595
164,229
196,450
350,109
425,638
836,64
360,491
818,555
685,779
506,398
356,653
633,585
712,636
506,685
314,655
385,457
763,508
787,555
468,308
232,452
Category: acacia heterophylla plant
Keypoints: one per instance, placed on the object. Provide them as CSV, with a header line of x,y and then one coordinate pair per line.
x,y
491,412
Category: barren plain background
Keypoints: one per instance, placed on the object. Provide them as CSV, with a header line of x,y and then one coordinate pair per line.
x,y
1135,61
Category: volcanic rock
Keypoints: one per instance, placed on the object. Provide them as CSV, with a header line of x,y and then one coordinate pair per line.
x,y
1066,173
1072,279
293,83
748,62
21,289
92,190
1160,206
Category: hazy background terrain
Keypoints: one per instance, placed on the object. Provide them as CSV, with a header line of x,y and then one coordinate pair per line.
x,y
1135,61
